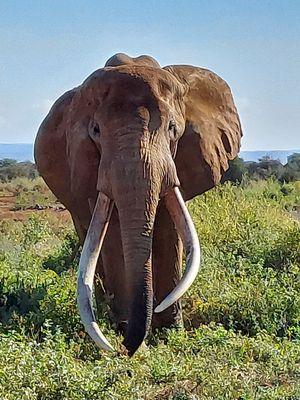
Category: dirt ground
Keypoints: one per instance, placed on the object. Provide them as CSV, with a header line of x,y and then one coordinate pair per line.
x,y
6,210
7,203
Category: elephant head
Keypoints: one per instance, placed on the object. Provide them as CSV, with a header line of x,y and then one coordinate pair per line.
x,y
132,136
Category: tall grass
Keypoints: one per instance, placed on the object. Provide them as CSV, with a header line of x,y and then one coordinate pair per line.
x,y
242,320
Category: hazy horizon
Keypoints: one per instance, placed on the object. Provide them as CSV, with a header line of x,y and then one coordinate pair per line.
x,y
24,152
50,47
255,150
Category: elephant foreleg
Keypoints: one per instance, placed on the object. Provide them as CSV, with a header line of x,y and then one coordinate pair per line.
x,y
166,264
113,273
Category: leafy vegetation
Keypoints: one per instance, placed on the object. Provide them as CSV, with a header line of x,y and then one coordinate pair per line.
x,y
28,193
265,168
242,316
10,169
21,181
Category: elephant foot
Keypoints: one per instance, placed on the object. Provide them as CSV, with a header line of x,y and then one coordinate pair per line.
x,y
170,318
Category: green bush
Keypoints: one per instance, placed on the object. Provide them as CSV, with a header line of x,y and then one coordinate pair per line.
x,y
242,318
249,279
11,169
208,363
265,168
28,192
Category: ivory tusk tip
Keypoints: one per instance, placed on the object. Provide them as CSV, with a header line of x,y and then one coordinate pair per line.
x,y
109,348
105,346
160,308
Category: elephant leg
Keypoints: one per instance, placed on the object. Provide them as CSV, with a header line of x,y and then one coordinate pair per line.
x,y
113,272
80,230
100,295
166,264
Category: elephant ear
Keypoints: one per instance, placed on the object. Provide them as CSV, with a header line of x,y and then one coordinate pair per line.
x,y
212,133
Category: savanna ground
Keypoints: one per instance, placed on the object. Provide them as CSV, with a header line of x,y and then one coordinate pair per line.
x,y
242,316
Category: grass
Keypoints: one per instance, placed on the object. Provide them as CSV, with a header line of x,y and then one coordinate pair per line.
x,y
242,320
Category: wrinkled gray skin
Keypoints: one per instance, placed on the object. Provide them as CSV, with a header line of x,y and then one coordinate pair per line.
x,y
133,131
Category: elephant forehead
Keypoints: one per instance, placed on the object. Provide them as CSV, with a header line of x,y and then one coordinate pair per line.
x,y
130,81
124,59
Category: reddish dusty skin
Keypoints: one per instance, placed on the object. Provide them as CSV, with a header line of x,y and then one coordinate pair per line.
x,y
118,133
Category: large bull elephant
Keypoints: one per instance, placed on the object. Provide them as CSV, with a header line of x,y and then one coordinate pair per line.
x,y
122,152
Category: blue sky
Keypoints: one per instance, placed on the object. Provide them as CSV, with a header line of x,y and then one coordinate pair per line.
x,y
48,47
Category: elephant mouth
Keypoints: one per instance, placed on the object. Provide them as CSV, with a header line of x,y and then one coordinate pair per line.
x,y
92,247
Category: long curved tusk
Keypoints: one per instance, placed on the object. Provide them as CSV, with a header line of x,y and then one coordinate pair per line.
x,y
87,266
184,224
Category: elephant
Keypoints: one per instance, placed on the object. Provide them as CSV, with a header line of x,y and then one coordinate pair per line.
x,y
123,152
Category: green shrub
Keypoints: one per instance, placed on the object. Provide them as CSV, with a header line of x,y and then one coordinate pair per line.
x,y
28,193
208,363
10,169
249,279
265,168
242,319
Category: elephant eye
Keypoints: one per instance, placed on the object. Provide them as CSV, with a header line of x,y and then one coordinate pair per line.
x,y
172,130
171,125
96,130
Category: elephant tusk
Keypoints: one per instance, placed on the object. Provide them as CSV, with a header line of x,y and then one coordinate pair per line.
x,y
87,266
184,224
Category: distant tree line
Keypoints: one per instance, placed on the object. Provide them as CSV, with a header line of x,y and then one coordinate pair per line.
x,y
265,168
10,169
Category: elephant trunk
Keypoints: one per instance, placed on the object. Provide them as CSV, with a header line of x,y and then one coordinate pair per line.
x,y
136,198
137,177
